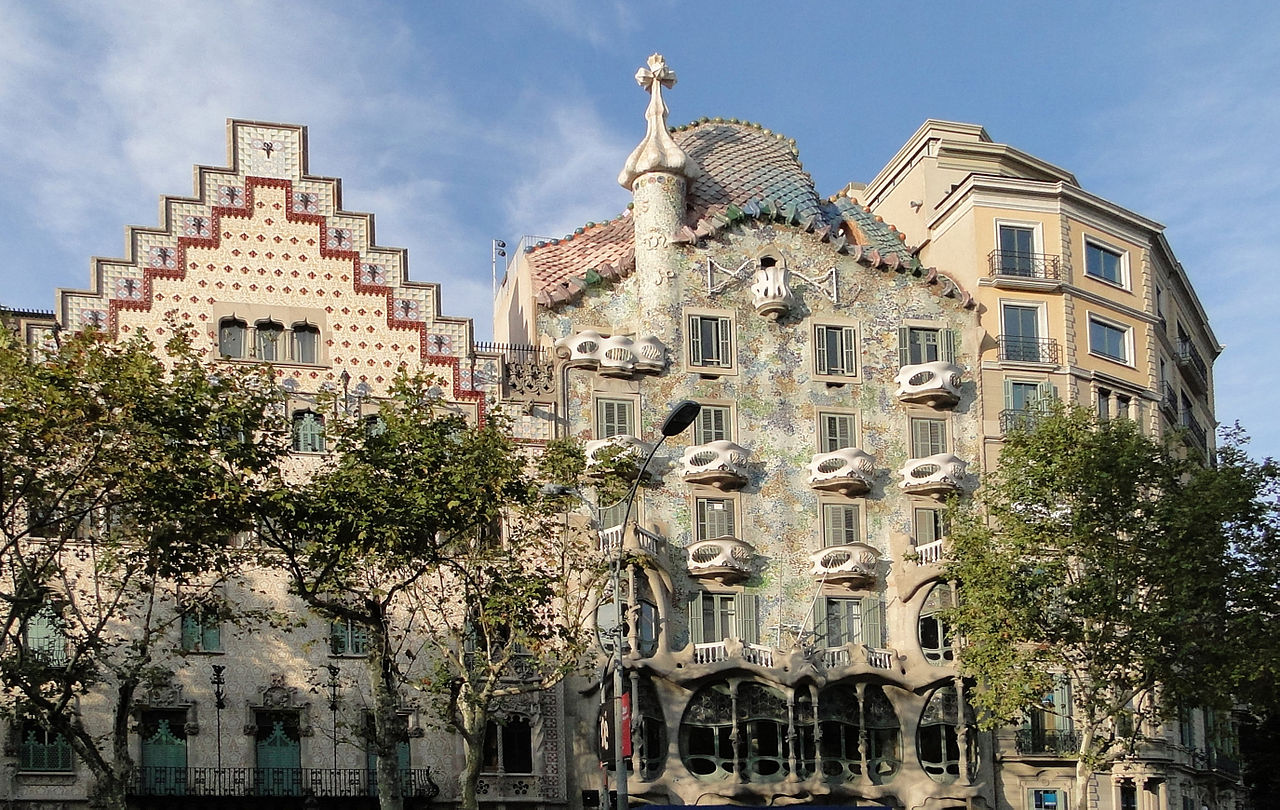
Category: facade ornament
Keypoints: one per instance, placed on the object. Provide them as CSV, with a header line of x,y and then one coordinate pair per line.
x,y
658,151
771,289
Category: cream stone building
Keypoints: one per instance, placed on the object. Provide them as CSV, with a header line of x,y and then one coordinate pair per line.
x,y
857,358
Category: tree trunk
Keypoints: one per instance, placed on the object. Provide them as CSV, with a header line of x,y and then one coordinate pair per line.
x,y
387,728
474,720
1084,768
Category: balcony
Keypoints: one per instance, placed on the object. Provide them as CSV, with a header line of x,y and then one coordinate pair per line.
x,y
723,559
852,565
929,553
833,657
1011,264
613,541
935,384
1199,437
274,782
1195,370
1169,401
622,453
721,464
615,356
1012,419
1018,349
849,471
1033,741
937,475
716,651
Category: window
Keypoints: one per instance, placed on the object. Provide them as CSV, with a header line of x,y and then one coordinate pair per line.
x,y
1128,796
1047,799
938,737
1186,727
646,614
1109,340
347,637
42,749
306,343
231,337
1104,263
835,350
928,437
850,621
45,638
615,417
308,432
1020,335
927,526
710,341
840,524
508,746
918,345
714,518
278,751
1104,405
201,629
1017,249
935,636
836,431
714,617
611,515
1050,725
268,335
712,425
164,751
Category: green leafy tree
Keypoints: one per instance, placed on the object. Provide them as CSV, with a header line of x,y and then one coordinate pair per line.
x,y
1099,554
124,470
408,492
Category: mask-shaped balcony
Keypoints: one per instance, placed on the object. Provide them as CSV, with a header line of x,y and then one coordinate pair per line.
x,y
651,355
848,471
935,384
721,464
622,454
771,289
722,559
616,356
938,475
581,350
852,565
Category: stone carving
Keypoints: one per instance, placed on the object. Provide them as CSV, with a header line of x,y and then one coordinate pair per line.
x,y
852,565
723,559
936,384
722,464
658,152
933,475
771,289
848,471
623,452
615,356
531,380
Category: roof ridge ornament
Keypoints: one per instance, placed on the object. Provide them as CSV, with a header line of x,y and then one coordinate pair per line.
x,y
658,151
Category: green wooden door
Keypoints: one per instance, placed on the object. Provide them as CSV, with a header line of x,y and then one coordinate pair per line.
x,y
164,754
279,754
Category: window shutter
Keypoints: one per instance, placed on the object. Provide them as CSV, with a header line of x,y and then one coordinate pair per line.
x,y
872,621
338,638
747,617
821,625
820,350
1046,394
695,340
359,639
1062,702
904,346
948,345
695,618
211,637
726,341
926,526
1008,394
190,632
850,346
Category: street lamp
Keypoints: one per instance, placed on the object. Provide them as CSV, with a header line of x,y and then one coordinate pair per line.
x,y
219,682
678,420
334,687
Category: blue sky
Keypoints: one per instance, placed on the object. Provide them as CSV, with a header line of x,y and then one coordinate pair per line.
x,y
456,123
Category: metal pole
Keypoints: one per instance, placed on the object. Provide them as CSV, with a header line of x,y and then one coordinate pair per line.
x,y
219,682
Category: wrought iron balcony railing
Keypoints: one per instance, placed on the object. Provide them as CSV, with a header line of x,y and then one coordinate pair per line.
x,y
1046,741
1023,265
1169,400
319,782
1013,419
1195,370
1018,349
1200,438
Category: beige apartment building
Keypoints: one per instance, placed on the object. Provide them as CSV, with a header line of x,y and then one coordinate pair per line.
x,y
857,359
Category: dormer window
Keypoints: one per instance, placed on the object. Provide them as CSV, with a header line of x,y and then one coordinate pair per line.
x,y
268,337
231,337
306,343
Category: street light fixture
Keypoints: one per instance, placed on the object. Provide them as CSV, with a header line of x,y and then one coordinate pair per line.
x,y
678,420
219,682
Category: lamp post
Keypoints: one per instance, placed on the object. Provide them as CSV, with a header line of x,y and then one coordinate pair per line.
x,y
334,687
219,682
678,420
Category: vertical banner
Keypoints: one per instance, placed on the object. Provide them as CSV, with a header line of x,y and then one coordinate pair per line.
x,y
625,720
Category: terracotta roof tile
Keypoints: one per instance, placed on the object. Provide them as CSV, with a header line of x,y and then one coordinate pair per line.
x,y
606,248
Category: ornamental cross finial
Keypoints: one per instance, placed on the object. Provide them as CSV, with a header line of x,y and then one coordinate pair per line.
x,y
658,152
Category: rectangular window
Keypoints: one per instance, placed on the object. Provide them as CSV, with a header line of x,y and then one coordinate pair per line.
x,y
836,431
201,629
918,345
710,341
612,515
1104,263
851,621
1017,246
715,518
1104,405
719,617
347,637
840,524
927,526
1020,335
712,425
1109,340
41,749
45,638
928,437
835,350
1128,797
615,417
1047,799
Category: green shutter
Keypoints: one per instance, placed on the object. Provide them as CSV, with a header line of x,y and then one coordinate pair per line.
x,y
695,618
695,340
904,346
872,621
726,341
850,346
338,637
191,635
1062,703
747,609
820,624
948,345
820,350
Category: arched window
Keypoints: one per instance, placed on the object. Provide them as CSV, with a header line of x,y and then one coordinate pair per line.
x,y
306,343
840,724
308,432
231,337
706,732
762,714
268,336
652,738
935,636
884,735
938,739
508,745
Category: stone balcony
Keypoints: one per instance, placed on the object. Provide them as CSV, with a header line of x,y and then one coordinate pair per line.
x,y
852,565
855,654
849,471
725,560
622,453
935,384
614,541
721,464
938,475
614,356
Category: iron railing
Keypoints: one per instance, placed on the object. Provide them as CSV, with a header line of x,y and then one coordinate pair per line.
x,y
1195,369
1046,741
1012,419
1018,349
320,782
1169,400
516,352
1023,265
1197,431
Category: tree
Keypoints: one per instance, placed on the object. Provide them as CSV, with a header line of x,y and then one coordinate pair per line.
x,y
408,492
123,473
1103,556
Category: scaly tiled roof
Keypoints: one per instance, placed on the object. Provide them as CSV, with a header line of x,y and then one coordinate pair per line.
x,y
562,268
